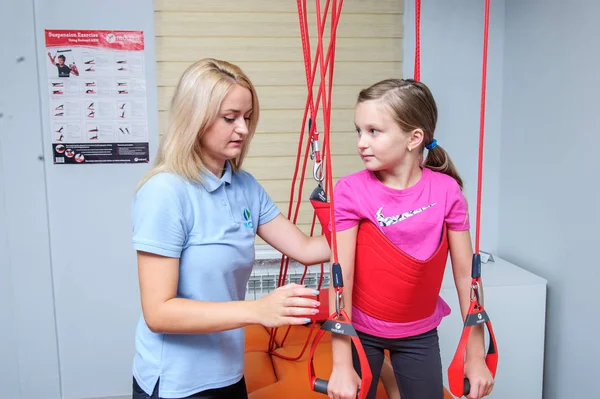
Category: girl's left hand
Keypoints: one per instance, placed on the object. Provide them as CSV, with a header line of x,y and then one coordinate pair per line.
x,y
480,378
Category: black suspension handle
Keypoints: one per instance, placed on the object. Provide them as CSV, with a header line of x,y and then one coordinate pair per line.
x,y
321,386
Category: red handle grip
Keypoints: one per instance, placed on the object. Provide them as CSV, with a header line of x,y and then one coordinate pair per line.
x,y
459,385
340,325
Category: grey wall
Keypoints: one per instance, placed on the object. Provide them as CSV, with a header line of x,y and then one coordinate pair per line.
x,y
549,193
96,293
28,345
68,285
451,65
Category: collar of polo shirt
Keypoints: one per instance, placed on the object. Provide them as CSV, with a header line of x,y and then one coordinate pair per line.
x,y
212,182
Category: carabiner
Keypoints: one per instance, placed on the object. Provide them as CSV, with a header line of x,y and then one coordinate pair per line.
x,y
475,292
339,303
314,148
318,172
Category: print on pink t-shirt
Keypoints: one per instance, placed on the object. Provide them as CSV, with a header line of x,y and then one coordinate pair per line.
x,y
411,218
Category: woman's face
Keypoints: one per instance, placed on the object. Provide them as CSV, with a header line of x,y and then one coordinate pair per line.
x,y
225,138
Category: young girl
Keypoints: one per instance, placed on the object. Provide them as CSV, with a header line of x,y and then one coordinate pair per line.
x,y
195,219
412,203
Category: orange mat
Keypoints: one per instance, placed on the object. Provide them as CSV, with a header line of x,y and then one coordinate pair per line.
x,y
270,377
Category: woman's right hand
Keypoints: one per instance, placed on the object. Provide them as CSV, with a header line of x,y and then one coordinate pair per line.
x,y
287,304
344,383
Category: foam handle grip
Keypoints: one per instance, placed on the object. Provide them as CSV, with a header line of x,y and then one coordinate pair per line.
x,y
476,266
321,386
467,388
336,271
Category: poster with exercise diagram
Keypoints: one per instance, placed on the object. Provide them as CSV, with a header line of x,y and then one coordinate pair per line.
x,y
97,89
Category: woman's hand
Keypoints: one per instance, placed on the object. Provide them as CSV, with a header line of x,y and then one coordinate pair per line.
x,y
343,383
289,304
480,378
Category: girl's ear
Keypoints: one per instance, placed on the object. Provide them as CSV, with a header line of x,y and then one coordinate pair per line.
x,y
415,139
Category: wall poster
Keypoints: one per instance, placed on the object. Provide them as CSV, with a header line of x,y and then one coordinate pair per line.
x,y
97,89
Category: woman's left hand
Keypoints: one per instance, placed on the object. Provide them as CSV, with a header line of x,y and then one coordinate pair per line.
x,y
480,378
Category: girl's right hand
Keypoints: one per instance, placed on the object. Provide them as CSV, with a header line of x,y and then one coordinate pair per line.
x,y
287,304
343,383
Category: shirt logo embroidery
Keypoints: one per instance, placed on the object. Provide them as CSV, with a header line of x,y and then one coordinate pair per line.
x,y
247,218
385,221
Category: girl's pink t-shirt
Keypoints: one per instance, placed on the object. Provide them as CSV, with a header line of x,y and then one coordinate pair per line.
x,y
411,218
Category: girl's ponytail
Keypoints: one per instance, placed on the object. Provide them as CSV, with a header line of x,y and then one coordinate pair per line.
x,y
438,160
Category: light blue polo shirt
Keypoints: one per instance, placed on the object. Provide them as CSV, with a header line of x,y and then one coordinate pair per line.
x,y
211,228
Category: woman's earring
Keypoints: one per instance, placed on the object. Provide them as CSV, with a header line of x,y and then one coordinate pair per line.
x,y
409,149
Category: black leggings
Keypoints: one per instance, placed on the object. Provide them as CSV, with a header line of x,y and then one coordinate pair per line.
x,y
235,391
416,361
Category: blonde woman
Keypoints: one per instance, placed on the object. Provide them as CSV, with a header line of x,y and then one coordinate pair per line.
x,y
195,218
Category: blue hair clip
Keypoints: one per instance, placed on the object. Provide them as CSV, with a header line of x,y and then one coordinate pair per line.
x,y
431,145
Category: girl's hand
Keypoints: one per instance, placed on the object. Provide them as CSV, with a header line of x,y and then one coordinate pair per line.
x,y
343,383
287,305
480,378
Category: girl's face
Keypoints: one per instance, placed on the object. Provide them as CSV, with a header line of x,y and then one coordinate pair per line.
x,y
382,144
226,137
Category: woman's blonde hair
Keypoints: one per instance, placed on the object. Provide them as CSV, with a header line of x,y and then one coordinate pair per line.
x,y
194,108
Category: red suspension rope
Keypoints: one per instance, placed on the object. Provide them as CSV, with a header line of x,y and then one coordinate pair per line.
x,y
312,106
311,146
482,124
458,383
417,70
417,76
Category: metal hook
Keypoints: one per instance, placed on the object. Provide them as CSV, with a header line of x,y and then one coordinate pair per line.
x,y
318,171
339,302
475,292
314,148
